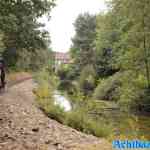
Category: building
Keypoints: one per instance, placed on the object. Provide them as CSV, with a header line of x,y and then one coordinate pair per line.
x,y
61,58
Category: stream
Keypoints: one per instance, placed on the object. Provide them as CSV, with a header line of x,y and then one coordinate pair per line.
x,y
62,101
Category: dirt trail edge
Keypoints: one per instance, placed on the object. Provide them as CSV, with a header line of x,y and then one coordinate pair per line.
x,y
25,127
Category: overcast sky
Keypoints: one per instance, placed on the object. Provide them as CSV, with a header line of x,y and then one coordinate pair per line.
x,y
63,16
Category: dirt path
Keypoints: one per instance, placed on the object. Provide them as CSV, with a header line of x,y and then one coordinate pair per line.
x,y
24,127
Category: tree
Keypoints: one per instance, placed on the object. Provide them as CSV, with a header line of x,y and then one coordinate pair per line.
x,y
1,43
124,30
82,49
19,23
135,29
106,37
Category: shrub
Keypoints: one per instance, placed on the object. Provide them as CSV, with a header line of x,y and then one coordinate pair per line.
x,y
98,128
87,80
76,119
46,103
64,85
62,72
44,96
80,120
56,112
53,111
66,76
128,88
44,76
108,89
133,93
66,72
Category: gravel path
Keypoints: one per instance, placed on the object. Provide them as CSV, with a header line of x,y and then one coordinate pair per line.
x,y
24,127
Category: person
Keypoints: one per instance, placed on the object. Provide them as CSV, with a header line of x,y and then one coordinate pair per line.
x,y
2,73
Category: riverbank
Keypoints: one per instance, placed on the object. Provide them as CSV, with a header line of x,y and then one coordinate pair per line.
x,y
94,117
77,118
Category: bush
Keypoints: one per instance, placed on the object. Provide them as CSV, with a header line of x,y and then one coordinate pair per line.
x,y
56,112
64,85
66,76
44,96
70,72
98,128
46,102
80,120
66,72
45,77
62,72
127,88
108,89
76,119
23,59
133,93
53,111
87,81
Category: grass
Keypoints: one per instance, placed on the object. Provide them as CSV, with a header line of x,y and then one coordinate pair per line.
x,y
80,120
44,97
83,117
106,125
77,118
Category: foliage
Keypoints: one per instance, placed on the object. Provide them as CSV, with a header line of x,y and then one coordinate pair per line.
x,y
75,120
44,96
82,116
108,89
133,94
106,36
127,88
62,72
98,128
111,48
1,43
120,47
43,76
131,51
66,75
87,80
82,48
46,103
79,120
21,29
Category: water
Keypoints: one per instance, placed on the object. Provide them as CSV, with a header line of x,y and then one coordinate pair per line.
x,y
62,101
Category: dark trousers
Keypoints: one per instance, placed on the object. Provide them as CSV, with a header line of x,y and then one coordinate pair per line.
x,y
2,78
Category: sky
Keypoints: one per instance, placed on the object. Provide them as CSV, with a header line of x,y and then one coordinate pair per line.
x,y
63,16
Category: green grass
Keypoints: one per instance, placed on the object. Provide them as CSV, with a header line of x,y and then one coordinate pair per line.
x,y
83,117
77,118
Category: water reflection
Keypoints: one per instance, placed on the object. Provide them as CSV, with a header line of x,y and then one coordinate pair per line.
x,y
62,101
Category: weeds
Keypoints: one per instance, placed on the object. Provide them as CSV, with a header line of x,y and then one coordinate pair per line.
x,y
77,118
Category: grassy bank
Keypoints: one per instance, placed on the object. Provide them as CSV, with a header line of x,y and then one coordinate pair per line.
x,y
78,118
89,116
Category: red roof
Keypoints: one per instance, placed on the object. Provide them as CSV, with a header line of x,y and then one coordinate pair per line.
x,y
64,57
